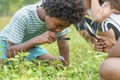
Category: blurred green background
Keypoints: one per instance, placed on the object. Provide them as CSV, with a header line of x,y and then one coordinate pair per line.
x,y
8,7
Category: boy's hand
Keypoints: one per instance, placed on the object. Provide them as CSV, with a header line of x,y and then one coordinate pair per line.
x,y
104,44
46,37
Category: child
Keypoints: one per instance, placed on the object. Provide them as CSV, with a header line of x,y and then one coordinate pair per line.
x,y
96,13
110,28
35,25
110,68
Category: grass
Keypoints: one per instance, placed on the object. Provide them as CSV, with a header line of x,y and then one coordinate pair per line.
x,y
84,62
4,21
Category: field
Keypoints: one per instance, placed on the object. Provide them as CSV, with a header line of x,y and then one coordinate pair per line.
x,y
84,62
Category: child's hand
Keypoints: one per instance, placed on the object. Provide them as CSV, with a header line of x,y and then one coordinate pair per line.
x,y
98,45
46,37
104,44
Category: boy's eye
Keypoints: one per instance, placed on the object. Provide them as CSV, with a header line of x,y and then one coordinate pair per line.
x,y
59,25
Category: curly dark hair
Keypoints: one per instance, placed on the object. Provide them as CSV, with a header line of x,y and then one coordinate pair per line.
x,y
71,11
115,4
101,2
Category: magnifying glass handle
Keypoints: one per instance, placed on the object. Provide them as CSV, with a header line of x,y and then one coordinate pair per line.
x,y
63,38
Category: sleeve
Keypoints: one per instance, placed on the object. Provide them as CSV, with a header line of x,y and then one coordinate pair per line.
x,y
106,25
63,32
17,27
80,26
40,2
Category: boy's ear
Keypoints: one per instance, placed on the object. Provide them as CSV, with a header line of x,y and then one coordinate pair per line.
x,y
46,11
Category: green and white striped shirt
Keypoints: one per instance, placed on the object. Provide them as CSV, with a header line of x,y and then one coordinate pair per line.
x,y
25,25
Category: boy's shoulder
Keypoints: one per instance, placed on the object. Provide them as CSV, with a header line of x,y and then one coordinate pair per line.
x,y
113,18
25,11
30,7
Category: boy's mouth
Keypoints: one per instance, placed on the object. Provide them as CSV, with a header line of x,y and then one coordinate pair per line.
x,y
52,30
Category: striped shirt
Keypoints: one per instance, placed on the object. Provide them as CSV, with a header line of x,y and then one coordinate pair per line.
x,y
113,21
25,25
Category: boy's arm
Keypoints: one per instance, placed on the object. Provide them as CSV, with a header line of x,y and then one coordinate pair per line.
x,y
100,13
13,49
64,50
46,37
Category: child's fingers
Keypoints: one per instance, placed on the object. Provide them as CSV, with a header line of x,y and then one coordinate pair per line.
x,y
52,35
99,47
50,40
98,43
95,40
101,38
100,50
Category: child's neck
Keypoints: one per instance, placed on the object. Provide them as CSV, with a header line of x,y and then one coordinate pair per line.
x,y
41,13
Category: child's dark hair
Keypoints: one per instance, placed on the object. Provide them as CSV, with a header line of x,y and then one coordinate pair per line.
x,y
71,11
101,2
115,4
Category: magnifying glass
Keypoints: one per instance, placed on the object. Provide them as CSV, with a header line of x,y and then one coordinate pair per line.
x,y
63,38
90,30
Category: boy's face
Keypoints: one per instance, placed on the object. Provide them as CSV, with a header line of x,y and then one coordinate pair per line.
x,y
55,24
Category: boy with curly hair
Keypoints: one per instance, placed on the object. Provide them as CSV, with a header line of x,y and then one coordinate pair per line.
x,y
35,25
